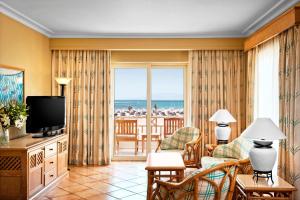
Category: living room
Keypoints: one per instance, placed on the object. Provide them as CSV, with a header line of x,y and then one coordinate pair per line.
x,y
149,100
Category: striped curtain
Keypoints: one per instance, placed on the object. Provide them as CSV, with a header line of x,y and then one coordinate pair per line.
x,y
218,81
289,106
87,98
250,78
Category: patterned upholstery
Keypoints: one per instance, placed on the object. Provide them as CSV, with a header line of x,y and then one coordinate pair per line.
x,y
238,149
180,138
205,189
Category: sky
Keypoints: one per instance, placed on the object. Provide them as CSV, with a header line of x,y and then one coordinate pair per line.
x,y
131,84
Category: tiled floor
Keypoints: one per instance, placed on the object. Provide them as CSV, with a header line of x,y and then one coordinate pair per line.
x,y
120,180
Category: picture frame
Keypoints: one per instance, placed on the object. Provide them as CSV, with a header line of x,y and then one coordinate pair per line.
x,y
12,84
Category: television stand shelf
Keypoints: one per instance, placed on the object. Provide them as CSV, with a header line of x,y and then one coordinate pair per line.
x,y
30,166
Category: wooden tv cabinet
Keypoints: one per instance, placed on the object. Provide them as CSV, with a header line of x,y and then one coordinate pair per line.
x,y
29,166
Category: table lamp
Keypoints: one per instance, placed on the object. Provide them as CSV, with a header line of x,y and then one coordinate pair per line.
x,y
222,130
262,155
62,81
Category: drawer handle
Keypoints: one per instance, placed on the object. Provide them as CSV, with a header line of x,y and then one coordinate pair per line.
x,y
51,175
51,149
51,162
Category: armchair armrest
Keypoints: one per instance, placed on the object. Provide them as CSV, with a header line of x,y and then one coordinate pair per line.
x,y
210,148
191,153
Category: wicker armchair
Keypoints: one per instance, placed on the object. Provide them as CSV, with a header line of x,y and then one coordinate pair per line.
x,y
237,150
215,183
185,140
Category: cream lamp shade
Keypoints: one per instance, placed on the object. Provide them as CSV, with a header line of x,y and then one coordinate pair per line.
x,y
222,116
263,129
63,80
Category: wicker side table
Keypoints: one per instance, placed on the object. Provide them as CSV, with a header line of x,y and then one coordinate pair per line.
x,y
248,188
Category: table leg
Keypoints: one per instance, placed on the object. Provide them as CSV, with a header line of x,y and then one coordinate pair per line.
x,y
150,184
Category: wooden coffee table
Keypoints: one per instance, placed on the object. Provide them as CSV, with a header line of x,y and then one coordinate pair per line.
x,y
164,162
248,188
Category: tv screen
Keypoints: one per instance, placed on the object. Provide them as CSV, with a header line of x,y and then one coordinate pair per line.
x,y
45,113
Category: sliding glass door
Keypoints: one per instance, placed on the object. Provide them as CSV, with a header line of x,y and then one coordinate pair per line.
x,y
148,106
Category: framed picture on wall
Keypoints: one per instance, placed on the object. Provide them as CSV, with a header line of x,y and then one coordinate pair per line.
x,y
11,84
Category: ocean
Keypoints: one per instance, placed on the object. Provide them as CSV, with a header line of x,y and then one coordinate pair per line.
x,y
142,104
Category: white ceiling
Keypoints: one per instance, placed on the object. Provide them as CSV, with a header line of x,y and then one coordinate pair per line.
x,y
145,18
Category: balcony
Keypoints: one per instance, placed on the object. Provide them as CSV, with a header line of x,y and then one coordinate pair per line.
x,y
163,123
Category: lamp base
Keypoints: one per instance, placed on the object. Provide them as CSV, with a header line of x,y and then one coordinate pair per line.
x,y
222,132
261,174
222,142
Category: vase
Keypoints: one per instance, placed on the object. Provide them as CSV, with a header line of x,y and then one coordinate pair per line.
x,y
4,136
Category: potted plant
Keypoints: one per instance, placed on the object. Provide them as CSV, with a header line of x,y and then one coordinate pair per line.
x,y
11,115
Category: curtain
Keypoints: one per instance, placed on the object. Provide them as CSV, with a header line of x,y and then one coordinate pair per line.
x,y
218,81
266,91
289,106
87,98
250,77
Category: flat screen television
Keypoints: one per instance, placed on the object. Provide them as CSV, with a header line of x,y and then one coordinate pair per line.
x,y
46,114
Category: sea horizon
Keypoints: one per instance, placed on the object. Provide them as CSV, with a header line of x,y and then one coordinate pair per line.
x,y
122,104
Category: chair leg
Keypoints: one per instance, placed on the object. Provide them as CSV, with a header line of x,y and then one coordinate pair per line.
x,y
135,149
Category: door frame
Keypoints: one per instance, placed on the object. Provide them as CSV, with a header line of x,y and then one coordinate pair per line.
x,y
149,66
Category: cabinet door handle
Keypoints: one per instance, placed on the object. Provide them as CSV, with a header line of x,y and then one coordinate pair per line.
x,y
51,175
51,162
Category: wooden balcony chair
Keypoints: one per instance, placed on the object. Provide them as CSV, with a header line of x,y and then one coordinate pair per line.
x,y
186,141
171,125
215,183
126,131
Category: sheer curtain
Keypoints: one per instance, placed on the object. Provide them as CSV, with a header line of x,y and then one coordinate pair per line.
x,y
266,87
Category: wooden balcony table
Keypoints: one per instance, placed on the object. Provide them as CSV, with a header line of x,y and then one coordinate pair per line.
x,y
159,163
263,189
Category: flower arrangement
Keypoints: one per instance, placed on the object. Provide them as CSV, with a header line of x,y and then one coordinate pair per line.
x,y
13,114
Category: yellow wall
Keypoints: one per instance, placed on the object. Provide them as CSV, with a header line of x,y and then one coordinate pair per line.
x,y
23,47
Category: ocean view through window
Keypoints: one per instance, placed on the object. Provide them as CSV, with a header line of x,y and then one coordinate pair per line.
x,y
130,105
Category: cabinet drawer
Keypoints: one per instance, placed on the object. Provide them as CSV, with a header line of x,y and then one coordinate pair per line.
x,y
50,176
50,163
50,149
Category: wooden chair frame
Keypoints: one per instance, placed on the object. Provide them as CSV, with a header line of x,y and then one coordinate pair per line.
x,y
171,125
126,130
191,154
171,188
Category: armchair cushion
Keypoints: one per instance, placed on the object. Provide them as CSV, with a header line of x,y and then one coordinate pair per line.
x,y
238,149
180,138
207,161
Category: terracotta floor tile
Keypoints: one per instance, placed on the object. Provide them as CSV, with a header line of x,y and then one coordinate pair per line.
x,y
76,188
56,192
88,193
101,197
102,187
125,184
121,193
115,181
67,197
67,183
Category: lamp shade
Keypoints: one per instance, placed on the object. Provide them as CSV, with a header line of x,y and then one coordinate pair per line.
x,y
222,116
63,80
263,129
